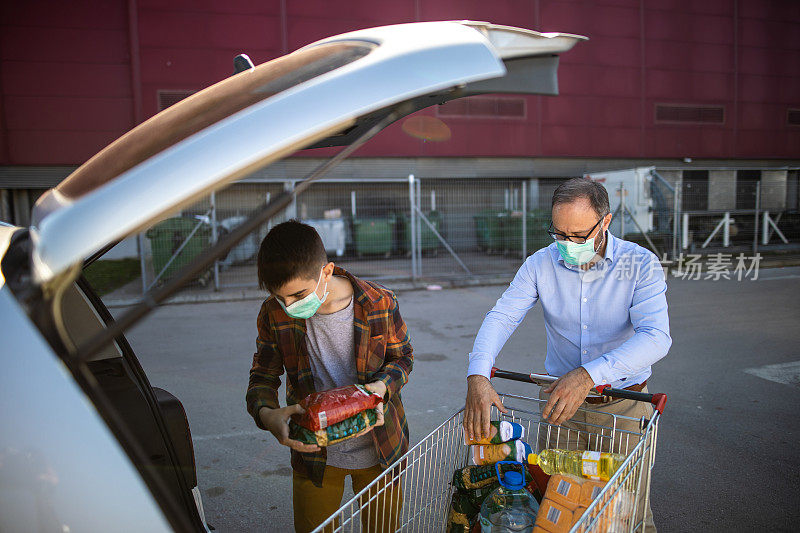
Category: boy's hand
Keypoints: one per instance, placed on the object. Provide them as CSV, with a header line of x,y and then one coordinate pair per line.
x,y
377,387
379,409
277,422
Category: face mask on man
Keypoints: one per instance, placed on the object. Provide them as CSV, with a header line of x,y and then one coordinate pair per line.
x,y
308,306
578,254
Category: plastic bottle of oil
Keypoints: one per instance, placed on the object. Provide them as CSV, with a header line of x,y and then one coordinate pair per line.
x,y
592,465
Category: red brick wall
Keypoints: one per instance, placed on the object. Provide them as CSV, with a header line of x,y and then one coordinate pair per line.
x,y
73,76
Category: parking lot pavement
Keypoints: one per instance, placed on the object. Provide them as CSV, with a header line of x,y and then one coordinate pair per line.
x,y
727,452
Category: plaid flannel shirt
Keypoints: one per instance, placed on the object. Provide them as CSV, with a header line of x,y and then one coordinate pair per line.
x,y
382,351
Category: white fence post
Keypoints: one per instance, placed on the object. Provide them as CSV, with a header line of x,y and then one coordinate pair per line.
x,y
214,236
412,217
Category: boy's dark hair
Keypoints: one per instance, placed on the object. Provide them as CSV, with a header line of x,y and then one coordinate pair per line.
x,y
575,188
290,250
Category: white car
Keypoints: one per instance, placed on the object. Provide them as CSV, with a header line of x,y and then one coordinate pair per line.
x,y
86,443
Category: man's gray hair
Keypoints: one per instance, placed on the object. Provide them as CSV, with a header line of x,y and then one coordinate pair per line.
x,y
576,188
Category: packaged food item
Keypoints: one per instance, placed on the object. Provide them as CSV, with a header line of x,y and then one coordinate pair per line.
x,y
354,426
590,490
516,450
462,514
477,482
565,490
553,517
474,477
605,523
538,483
622,500
622,504
332,406
499,432
477,496
576,494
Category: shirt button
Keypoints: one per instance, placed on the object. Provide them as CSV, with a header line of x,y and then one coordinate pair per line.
x,y
585,326
585,299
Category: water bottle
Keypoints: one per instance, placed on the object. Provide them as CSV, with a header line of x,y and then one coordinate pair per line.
x,y
510,508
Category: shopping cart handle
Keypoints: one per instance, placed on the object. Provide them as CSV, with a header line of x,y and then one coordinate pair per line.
x,y
659,399
542,380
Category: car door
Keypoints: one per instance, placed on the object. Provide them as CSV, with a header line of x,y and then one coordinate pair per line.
x,y
150,418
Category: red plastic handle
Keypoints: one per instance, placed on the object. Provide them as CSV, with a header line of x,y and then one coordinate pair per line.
x,y
659,400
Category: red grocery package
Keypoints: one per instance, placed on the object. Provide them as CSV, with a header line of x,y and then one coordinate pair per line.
x,y
540,479
332,406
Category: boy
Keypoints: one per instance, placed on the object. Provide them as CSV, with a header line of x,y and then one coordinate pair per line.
x,y
326,328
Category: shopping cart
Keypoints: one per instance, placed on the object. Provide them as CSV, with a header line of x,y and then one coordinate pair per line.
x,y
415,494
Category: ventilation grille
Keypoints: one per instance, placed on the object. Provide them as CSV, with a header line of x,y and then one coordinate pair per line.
x,y
692,114
168,98
793,117
483,106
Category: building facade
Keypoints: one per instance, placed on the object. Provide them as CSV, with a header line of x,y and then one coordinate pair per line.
x,y
708,92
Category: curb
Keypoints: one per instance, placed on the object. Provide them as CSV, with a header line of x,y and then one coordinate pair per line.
x,y
257,294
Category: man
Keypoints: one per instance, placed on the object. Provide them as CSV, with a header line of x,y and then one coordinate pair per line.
x,y
326,329
605,313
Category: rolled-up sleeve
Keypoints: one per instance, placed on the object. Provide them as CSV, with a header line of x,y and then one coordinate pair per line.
x,y
651,340
265,372
399,353
503,319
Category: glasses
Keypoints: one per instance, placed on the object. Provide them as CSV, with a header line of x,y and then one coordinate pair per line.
x,y
577,239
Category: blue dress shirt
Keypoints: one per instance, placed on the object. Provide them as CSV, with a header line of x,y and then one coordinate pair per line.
x,y
611,319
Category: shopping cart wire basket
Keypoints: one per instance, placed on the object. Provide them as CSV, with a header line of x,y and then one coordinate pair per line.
x,y
415,493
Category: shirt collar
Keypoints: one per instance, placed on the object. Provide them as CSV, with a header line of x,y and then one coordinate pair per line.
x,y
611,247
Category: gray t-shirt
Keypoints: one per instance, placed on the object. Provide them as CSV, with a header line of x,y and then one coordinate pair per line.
x,y
331,348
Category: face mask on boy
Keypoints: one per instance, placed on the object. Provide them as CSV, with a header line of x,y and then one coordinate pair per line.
x,y
306,307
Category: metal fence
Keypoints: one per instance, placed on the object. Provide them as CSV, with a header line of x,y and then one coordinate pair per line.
x,y
427,230
408,229
729,220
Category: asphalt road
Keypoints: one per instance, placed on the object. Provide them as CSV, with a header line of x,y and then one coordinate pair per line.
x,y
728,456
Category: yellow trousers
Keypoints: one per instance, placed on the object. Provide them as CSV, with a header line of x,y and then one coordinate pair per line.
x,y
379,509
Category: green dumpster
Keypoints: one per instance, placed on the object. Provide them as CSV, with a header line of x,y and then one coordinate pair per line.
x,y
166,239
489,230
428,239
374,235
536,231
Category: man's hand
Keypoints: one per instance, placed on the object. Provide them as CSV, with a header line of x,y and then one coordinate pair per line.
x,y
477,412
567,393
277,422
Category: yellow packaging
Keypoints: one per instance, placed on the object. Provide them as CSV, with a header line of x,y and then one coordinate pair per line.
x,y
621,505
516,450
589,491
565,490
553,517
602,525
